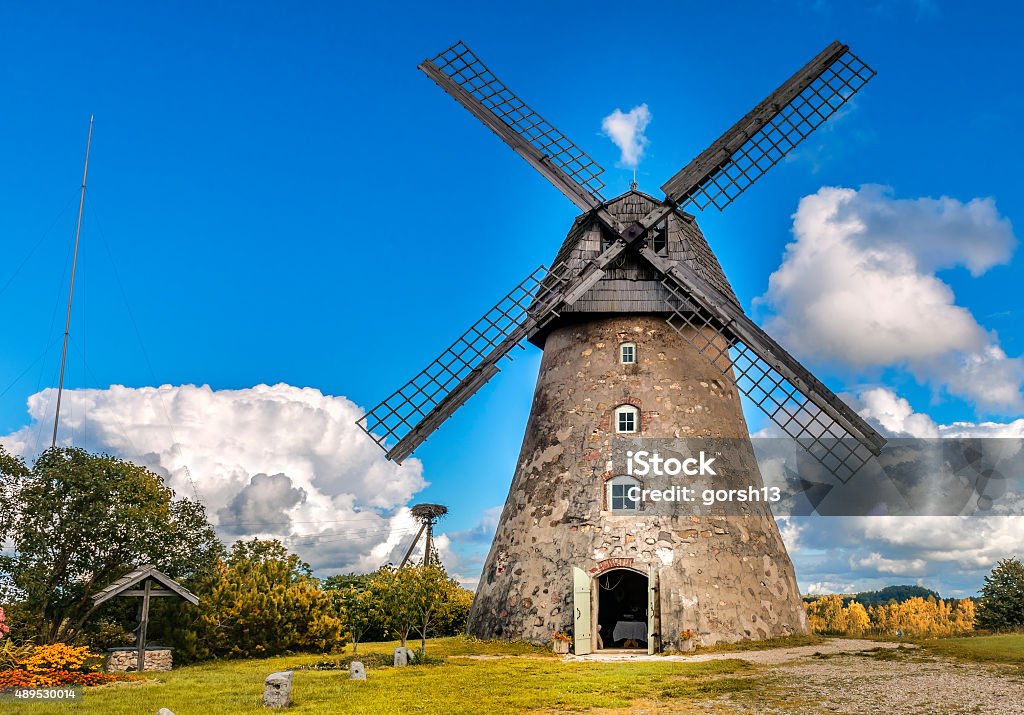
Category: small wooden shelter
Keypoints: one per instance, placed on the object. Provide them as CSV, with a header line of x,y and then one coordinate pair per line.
x,y
146,582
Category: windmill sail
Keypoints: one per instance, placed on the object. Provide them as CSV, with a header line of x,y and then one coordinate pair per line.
x,y
461,74
419,407
710,319
770,130
800,404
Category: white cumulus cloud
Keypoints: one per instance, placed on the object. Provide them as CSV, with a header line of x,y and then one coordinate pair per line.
x,y
897,418
271,461
950,554
626,129
858,286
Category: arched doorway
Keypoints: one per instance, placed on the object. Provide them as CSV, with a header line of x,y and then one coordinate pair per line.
x,y
622,609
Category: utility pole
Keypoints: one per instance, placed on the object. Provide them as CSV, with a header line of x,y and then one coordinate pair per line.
x,y
427,515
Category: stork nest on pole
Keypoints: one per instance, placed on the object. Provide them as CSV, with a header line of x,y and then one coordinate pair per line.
x,y
429,511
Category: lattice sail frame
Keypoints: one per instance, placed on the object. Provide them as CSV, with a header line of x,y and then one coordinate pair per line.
x,y
828,442
468,72
768,145
716,177
413,411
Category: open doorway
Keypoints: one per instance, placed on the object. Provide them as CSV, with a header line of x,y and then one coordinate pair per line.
x,y
622,610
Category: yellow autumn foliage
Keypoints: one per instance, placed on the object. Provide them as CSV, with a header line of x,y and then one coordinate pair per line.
x,y
914,618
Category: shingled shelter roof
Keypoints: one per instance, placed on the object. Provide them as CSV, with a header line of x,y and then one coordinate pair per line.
x,y
138,575
631,285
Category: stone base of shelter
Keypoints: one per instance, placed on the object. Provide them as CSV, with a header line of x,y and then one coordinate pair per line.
x,y
125,660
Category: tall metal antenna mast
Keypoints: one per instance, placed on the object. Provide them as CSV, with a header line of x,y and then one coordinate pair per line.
x,y
71,289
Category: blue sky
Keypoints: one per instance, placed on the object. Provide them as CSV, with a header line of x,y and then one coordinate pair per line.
x,y
277,195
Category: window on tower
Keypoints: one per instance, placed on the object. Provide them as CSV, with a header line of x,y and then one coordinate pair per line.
x,y
623,494
627,419
659,239
627,353
607,239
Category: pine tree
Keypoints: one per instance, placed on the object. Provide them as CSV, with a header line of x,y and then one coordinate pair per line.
x,y
1002,597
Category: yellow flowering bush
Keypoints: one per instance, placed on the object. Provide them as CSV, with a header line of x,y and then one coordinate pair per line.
x,y
61,656
53,665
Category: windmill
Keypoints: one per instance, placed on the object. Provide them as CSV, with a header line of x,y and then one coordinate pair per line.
x,y
641,336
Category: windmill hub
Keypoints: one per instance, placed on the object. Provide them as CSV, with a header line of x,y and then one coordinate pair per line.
x,y
643,338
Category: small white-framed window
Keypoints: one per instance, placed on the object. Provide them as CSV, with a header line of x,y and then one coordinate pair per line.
x,y
627,419
623,494
627,353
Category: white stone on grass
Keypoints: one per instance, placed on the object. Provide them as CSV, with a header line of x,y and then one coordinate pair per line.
x,y
277,692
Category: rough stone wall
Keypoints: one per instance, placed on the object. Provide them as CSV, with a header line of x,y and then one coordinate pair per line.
x,y
727,578
123,661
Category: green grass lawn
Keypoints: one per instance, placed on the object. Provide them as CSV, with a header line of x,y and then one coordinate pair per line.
x,y
985,649
532,681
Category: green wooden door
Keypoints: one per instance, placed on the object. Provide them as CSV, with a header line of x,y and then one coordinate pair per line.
x,y
653,612
582,621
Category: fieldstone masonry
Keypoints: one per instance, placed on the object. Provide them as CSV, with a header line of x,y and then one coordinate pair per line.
x,y
124,660
727,578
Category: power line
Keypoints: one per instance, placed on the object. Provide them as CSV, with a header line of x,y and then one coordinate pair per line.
x,y
35,246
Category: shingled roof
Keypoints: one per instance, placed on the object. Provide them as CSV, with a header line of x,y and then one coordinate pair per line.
x,y
138,576
631,285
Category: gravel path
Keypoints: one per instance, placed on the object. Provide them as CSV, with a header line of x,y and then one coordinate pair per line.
x,y
850,677
771,656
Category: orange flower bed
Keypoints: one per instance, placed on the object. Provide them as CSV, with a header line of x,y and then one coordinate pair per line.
x,y
55,665
53,678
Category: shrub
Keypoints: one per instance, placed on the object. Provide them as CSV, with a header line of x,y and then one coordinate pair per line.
x,y
60,656
261,601
53,665
13,678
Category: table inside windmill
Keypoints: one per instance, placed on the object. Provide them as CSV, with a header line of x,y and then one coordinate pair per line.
x,y
629,631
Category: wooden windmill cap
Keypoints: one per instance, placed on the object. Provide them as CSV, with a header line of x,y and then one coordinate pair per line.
x,y
630,285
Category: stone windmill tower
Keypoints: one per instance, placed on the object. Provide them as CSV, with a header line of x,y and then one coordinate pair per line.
x,y
643,339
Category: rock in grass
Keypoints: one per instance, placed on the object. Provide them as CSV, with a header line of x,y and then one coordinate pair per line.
x,y
356,670
277,692
405,656
164,711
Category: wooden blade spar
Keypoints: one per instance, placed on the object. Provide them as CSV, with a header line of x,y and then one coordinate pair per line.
x,y
462,75
770,130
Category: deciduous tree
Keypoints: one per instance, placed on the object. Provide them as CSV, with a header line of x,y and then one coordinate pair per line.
x,y
358,608
77,521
